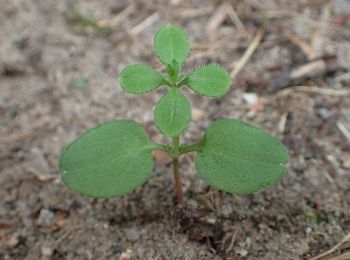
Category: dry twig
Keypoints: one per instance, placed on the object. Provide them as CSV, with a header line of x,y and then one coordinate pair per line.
x,y
332,250
248,53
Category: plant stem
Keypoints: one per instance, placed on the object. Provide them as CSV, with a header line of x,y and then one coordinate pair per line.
x,y
178,183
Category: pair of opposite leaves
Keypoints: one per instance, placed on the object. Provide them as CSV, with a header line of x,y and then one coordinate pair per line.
x,y
173,111
116,157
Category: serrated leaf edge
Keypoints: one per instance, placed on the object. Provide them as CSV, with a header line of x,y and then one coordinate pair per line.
x,y
131,92
151,147
202,143
187,40
206,65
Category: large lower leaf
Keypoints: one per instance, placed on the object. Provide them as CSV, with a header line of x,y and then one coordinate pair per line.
x,y
172,113
139,78
210,80
109,160
171,44
240,158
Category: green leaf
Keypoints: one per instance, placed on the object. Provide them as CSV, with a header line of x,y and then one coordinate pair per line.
x,y
210,80
139,78
171,44
240,158
109,160
172,113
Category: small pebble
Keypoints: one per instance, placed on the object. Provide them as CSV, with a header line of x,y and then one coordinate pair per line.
x,y
38,164
128,255
197,114
46,251
46,218
325,113
132,234
308,230
250,98
242,252
117,248
210,220
13,241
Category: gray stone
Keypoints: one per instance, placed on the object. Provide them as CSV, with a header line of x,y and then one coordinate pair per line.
x,y
46,218
132,234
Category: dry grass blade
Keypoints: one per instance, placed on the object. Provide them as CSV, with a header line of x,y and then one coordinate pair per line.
x,y
343,129
144,24
235,19
282,123
328,25
248,53
304,46
309,49
192,13
345,256
216,20
315,39
120,17
316,90
333,249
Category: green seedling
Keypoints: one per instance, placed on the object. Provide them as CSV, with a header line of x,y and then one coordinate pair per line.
x,y
84,20
114,158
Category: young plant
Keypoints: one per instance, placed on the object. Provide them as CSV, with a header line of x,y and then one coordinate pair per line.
x,y
114,158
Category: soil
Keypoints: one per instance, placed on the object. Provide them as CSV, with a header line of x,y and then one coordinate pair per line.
x,y
58,71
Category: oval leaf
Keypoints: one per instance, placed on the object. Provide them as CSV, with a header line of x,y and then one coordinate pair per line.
x,y
139,78
211,81
172,113
109,160
240,158
171,44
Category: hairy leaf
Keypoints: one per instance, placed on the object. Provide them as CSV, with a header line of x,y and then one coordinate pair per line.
x,y
172,113
240,158
210,80
109,160
139,78
171,44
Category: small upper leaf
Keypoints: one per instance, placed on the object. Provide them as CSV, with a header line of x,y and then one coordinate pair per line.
x,y
109,160
139,78
172,113
210,80
171,44
240,158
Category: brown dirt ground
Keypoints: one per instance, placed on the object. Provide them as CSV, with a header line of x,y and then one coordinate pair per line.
x,y
58,78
